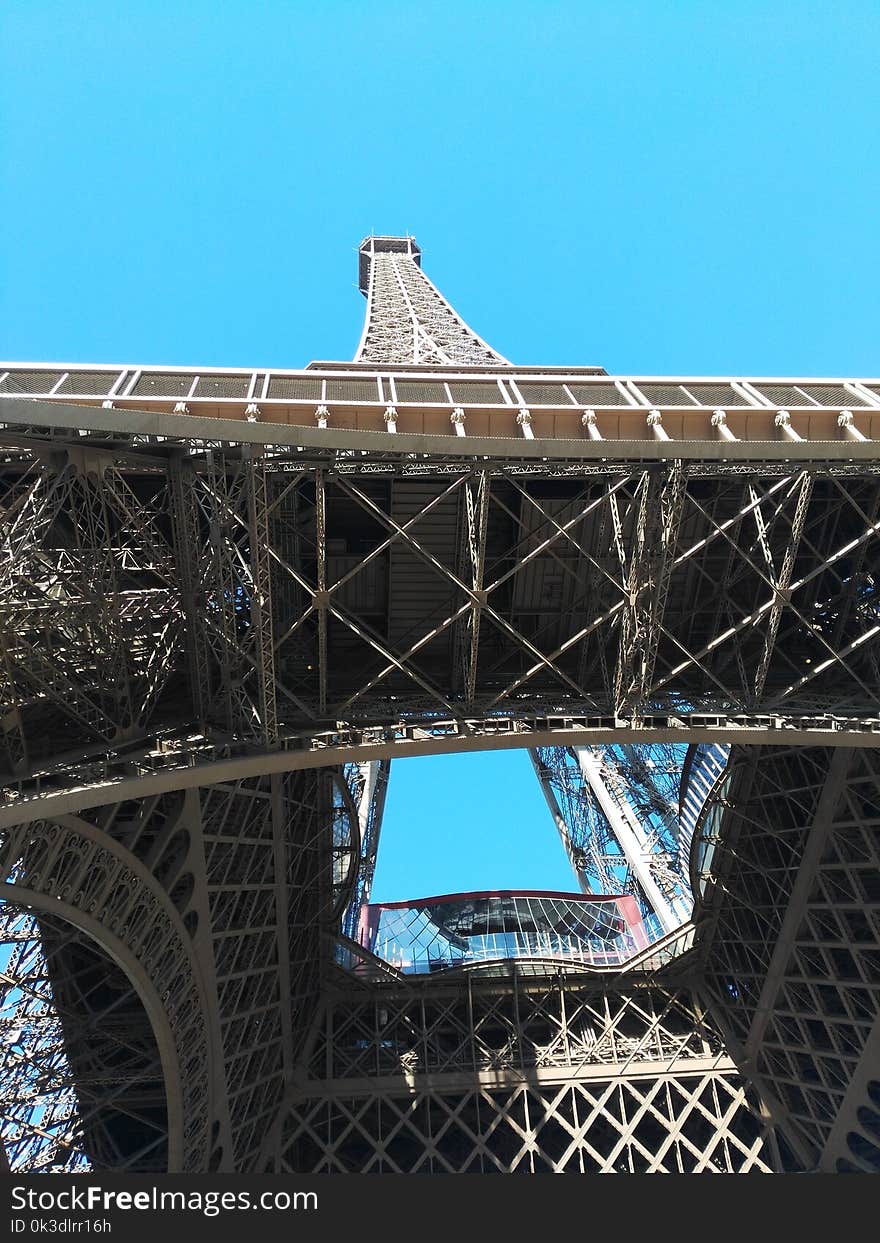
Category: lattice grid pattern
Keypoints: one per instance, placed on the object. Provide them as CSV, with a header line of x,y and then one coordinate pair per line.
x,y
81,1069
546,1078
795,959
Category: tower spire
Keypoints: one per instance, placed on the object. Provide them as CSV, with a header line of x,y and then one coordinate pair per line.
x,y
408,320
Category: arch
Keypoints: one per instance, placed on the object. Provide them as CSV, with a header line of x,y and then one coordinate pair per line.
x,y
77,874
399,742
93,1041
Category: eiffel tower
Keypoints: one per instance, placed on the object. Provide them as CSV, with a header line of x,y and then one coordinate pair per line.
x,y
230,598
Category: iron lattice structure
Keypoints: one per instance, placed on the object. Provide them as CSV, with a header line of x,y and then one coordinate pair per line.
x,y
617,811
230,598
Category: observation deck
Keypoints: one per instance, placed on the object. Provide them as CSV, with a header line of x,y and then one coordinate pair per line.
x,y
467,930
371,246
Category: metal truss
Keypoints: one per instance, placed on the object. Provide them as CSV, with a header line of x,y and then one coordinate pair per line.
x,y
221,530
408,320
616,809
367,784
215,903
319,595
526,1076
81,1068
791,873
228,600
116,953
90,604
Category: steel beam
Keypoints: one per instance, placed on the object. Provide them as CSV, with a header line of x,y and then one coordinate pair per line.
x,y
18,412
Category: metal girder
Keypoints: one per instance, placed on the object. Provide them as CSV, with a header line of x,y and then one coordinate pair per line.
x,y
261,592
226,596
162,767
152,427
320,598
783,579
474,528
235,583
187,542
650,563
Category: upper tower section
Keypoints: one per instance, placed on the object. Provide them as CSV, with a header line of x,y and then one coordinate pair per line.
x,y
408,320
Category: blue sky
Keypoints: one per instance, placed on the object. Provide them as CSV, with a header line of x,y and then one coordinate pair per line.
x,y
654,187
